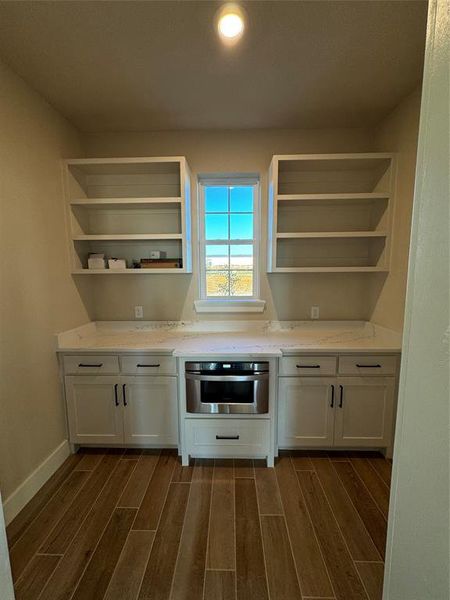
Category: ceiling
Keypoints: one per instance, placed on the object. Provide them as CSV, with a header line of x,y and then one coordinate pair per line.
x,y
158,65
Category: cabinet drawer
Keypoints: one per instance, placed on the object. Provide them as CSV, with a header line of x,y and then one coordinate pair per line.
x,y
364,364
91,364
221,438
308,365
148,364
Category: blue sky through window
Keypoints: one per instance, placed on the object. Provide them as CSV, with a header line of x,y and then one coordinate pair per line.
x,y
229,213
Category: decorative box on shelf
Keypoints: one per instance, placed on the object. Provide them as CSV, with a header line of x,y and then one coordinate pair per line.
x,y
161,263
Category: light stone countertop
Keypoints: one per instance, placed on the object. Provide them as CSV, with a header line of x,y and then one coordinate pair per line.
x,y
250,338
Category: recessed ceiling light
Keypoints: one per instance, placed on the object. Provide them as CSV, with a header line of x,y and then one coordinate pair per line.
x,y
231,25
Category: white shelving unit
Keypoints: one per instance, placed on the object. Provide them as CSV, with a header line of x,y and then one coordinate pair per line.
x,y
127,207
330,213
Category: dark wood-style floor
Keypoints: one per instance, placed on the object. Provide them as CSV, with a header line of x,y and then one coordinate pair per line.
x,y
126,525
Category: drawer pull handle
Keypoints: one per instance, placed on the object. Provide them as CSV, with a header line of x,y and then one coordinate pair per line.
x,y
116,399
341,398
125,403
227,437
332,396
139,365
308,366
98,365
368,366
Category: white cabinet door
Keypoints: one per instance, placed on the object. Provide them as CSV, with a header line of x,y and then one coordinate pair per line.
x,y
364,411
150,410
94,410
305,411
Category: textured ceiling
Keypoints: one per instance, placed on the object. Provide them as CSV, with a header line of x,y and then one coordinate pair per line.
x,y
115,66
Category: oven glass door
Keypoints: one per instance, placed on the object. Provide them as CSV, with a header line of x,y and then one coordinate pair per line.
x,y
241,394
227,392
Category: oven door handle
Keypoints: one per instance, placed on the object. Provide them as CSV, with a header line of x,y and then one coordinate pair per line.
x,y
219,378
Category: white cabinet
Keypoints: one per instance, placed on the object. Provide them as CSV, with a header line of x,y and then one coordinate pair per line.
x,y
346,412
138,410
150,410
94,410
306,411
364,411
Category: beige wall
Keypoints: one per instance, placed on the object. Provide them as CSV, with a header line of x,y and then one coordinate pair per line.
x,y
397,133
287,296
38,297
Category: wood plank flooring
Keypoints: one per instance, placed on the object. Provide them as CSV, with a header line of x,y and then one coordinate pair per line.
x,y
136,525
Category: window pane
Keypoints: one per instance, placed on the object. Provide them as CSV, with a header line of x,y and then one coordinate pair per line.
x,y
241,283
217,283
216,199
216,257
228,214
241,199
241,227
216,227
241,257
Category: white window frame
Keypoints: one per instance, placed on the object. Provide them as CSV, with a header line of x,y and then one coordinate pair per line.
x,y
226,303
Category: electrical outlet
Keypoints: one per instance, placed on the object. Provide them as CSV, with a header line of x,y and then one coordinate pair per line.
x,y
314,312
138,312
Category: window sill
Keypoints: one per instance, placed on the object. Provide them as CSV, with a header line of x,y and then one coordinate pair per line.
x,y
229,306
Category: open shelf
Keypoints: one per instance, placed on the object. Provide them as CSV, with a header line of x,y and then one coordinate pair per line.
x,y
127,237
128,271
331,173
332,234
327,252
330,213
132,250
126,177
331,270
315,198
127,208
127,203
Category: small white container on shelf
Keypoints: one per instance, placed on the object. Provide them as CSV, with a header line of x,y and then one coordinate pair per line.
x,y
96,261
117,263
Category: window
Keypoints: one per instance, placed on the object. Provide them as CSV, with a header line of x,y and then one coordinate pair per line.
x,y
229,223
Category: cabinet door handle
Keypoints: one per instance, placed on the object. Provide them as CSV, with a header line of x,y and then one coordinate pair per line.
x,y
332,396
116,399
308,366
92,365
368,366
125,403
139,365
227,437
341,397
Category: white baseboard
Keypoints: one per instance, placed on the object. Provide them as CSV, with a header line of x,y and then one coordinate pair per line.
x,y
33,483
